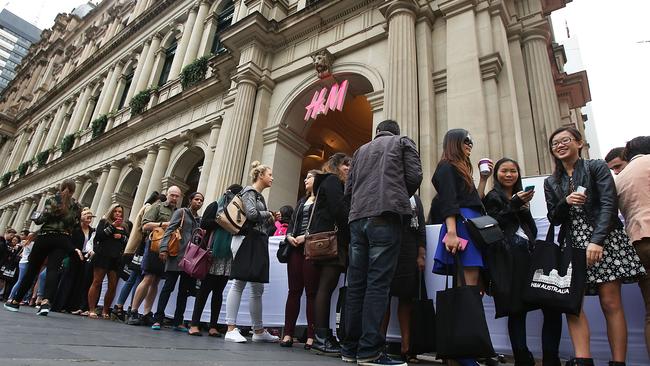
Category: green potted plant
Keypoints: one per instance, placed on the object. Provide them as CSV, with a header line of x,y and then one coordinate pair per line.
x,y
66,143
41,158
194,73
6,177
22,168
99,125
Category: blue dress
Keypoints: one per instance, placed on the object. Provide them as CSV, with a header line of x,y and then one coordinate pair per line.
x,y
443,261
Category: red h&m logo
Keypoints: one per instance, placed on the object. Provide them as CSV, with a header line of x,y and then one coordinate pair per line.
x,y
335,100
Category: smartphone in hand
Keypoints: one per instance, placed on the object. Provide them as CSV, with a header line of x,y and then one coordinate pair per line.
x,y
529,188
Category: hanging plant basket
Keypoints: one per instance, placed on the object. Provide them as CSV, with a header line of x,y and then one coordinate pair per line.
x,y
99,125
66,143
41,158
139,102
22,168
6,177
194,73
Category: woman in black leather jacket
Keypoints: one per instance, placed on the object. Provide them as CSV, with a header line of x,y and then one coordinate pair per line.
x,y
581,198
509,204
330,211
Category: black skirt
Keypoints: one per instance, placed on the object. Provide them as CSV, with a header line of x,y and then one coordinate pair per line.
x,y
151,263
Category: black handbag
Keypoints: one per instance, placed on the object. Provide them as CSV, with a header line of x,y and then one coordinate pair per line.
x,y
484,230
423,320
557,275
461,328
283,251
251,263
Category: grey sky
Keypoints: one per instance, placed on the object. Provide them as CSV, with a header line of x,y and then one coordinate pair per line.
x,y
616,63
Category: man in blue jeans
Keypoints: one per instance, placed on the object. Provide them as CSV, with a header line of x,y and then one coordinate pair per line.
x,y
384,174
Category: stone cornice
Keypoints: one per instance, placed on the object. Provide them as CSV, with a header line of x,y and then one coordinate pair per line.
x,y
287,138
452,8
253,28
491,66
91,62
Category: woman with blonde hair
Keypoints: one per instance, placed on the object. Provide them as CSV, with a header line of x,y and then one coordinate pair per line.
x,y
110,239
258,217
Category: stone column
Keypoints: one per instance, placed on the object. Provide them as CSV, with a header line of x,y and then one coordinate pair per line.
x,y
156,69
117,94
401,94
56,126
101,183
102,94
236,132
142,193
4,219
78,186
197,33
109,189
428,142
17,153
543,98
160,166
148,64
110,90
138,71
36,139
465,98
21,216
181,48
215,127
80,110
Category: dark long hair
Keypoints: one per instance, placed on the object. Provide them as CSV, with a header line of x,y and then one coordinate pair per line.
x,y
334,162
559,168
452,152
153,197
497,185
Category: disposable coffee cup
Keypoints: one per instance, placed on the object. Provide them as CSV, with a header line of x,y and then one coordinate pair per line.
x,y
484,166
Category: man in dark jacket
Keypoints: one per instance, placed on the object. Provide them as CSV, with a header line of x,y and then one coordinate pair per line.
x,y
385,173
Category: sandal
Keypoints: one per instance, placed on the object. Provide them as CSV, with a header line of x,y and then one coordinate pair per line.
x,y
92,315
214,334
76,312
410,358
106,316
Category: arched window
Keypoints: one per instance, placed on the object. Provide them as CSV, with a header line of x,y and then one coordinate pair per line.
x,y
167,65
224,19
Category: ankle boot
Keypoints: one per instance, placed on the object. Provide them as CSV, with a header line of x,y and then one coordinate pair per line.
x,y
580,362
551,360
524,358
325,343
616,363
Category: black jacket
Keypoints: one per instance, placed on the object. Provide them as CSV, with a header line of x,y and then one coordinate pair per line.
x,y
331,211
105,244
78,237
384,174
452,194
510,214
601,206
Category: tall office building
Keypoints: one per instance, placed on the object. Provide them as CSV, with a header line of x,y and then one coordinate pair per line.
x,y
16,35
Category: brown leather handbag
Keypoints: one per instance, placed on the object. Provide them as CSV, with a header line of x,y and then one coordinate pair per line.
x,y
320,246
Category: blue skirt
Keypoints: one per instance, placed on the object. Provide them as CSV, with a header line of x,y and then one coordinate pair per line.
x,y
443,261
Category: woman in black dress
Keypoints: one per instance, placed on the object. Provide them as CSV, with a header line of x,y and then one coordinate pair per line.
x,y
509,204
110,241
406,281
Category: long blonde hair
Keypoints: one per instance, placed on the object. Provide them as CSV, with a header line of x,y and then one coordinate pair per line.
x,y
257,170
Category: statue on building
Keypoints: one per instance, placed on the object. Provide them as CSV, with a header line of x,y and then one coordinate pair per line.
x,y
322,61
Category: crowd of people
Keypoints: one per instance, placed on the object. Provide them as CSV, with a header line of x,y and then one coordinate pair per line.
x,y
360,217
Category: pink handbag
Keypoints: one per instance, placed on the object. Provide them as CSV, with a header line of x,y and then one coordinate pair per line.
x,y
197,259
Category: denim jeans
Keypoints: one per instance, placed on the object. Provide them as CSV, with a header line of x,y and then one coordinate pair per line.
x,y
22,271
129,287
374,248
185,287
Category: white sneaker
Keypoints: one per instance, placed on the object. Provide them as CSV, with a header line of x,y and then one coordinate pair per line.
x,y
265,337
235,336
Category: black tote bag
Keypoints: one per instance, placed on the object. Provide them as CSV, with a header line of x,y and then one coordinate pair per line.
x,y
557,276
423,320
251,263
461,328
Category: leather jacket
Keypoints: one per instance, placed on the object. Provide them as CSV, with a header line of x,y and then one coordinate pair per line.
x,y
601,206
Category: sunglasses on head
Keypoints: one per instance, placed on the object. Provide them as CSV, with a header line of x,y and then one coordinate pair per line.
x,y
468,141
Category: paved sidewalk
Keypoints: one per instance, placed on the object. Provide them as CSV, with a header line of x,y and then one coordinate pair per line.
x,y
61,339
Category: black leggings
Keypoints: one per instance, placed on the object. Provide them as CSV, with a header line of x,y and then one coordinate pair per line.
x,y
53,247
214,284
551,333
329,279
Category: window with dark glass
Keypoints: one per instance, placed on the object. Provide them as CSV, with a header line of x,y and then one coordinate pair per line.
x,y
169,58
224,19
127,86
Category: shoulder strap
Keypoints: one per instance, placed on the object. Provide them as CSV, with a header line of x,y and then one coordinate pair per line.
x,y
182,218
313,208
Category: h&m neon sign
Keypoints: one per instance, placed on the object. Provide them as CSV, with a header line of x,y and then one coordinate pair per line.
x,y
335,100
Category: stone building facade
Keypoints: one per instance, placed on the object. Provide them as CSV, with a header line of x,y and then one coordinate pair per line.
x,y
118,101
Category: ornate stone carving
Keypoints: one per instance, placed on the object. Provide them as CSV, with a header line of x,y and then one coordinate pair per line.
x,y
322,61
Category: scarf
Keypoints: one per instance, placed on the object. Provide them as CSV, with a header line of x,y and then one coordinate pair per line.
x,y
220,238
